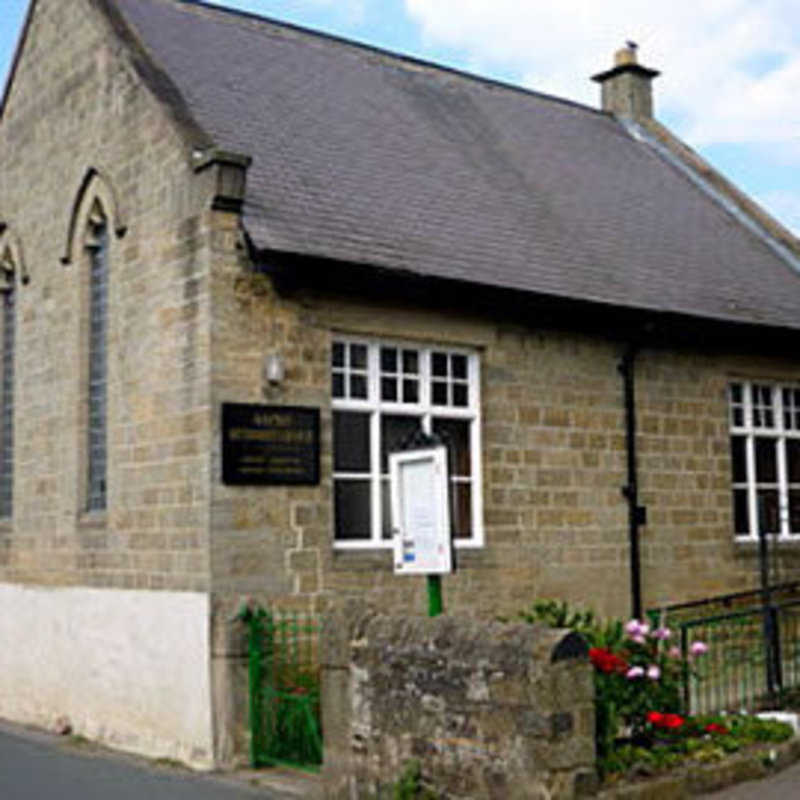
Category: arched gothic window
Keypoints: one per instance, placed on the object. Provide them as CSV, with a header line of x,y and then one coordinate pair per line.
x,y
97,245
8,304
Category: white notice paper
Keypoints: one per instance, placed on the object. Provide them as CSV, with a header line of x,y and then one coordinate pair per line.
x,y
420,511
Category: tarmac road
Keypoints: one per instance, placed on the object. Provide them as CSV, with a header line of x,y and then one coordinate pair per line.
x,y
40,766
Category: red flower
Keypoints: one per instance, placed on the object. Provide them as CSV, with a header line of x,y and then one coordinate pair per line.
x,y
606,661
659,720
714,727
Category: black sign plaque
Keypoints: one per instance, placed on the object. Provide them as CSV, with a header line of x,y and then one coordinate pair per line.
x,y
269,445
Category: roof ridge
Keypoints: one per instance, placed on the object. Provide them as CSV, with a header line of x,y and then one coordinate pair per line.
x,y
401,58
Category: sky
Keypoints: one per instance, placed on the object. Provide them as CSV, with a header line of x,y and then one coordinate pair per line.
x,y
730,82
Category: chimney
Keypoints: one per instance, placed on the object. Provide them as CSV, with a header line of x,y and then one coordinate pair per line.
x,y
626,90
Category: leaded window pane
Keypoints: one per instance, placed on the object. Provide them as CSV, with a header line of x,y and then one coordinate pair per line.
x,y
461,509
395,431
7,400
739,458
351,451
767,500
794,511
793,460
741,518
766,460
98,375
763,411
352,509
455,434
410,362
358,387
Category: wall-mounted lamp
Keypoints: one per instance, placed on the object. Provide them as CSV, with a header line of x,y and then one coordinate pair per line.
x,y
274,369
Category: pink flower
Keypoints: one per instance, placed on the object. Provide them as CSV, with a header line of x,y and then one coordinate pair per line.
x,y
675,652
662,634
637,630
634,672
698,648
653,672
632,627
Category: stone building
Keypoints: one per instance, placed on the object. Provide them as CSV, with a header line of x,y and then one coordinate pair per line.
x,y
200,207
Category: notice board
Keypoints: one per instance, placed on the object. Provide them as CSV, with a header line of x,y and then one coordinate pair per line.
x,y
420,512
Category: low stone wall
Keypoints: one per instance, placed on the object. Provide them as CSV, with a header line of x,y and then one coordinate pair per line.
x,y
490,710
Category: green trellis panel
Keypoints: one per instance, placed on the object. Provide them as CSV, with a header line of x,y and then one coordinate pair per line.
x,y
284,688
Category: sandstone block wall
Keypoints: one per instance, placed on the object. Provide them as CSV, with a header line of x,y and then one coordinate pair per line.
x,y
482,706
554,460
78,106
77,103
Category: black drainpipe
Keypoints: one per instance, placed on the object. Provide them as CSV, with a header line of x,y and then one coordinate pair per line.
x,y
636,513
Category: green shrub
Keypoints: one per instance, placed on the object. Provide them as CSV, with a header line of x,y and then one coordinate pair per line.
x,y
410,786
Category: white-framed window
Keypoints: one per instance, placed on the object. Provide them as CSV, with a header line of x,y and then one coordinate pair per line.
x,y
765,457
382,392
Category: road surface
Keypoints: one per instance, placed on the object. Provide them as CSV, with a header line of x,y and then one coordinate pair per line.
x,y
40,766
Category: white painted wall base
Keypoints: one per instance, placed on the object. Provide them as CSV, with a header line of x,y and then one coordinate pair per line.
x,y
128,668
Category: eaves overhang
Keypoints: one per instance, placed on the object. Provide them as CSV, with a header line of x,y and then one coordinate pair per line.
x,y
654,327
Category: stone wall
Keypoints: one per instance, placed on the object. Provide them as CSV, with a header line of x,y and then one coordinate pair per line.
x,y
78,104
80,124
554,461
489,710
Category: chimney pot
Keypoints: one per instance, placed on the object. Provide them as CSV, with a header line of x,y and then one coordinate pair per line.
x,y
626,87
626,55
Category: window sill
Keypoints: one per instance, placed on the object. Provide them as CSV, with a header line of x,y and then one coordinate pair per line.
x,y
368,546
750,545
93,519
6,525
368,556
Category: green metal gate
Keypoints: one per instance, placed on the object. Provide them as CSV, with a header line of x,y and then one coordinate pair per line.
x,y
284,688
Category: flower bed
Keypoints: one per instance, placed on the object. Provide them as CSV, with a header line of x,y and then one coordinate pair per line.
x,y
672,740
638,673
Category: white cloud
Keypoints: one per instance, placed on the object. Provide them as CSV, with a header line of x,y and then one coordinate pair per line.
x,y
731,68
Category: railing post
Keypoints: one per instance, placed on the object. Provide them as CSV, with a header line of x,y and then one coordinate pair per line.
x,y
685,670
770,633
774,612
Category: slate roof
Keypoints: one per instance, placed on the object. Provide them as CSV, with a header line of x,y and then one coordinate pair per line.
x,y
367,157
